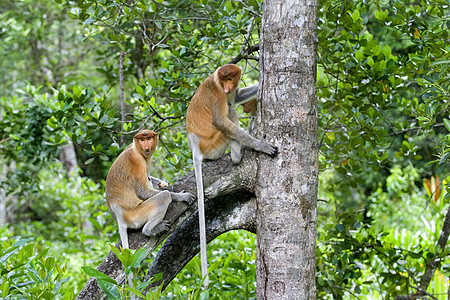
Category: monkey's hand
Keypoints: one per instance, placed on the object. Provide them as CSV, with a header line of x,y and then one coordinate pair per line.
x,y
267,148
184,197
164,185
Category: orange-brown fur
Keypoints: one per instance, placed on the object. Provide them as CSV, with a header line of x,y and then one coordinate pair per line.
x,y
250,107
129,172
130,197
211,99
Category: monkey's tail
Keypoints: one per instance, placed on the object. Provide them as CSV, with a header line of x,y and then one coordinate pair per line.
x,y
201,217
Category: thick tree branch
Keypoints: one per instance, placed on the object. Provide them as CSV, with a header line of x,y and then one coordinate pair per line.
x,y
235,211
227,187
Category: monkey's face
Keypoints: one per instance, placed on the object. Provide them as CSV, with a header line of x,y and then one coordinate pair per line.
x,y
230,85
146,141
148,145
230,75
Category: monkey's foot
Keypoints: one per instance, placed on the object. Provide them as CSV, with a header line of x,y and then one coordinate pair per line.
x,y
163,226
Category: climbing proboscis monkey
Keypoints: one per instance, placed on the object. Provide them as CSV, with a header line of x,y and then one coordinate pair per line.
x,y
212,124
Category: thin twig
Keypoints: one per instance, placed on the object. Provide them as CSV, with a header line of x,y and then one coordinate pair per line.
x,y
413,128
4,140
246,54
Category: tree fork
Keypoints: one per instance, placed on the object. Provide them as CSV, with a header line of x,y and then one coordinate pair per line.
x,y
222,215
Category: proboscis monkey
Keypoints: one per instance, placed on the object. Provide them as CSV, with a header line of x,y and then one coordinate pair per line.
x,y
212,124
130,196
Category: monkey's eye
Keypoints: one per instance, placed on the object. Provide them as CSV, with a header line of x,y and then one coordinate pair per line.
x,y
149,139
142,140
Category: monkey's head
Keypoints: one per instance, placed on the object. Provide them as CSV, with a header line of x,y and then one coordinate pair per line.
x,y
145,142
229,76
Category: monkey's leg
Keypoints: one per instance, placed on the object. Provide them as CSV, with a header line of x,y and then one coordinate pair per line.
x,y
123,235
197,157
153,211
236,146
212,147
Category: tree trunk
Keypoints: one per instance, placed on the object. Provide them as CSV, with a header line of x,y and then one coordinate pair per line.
x,y
3,199
286,189
68,157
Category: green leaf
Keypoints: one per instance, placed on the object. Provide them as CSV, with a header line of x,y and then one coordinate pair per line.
x,y
447,124
444,159
49,263
152,8
113,37
9,251
440,61
135,292
140,90
228,6
126,256
76,91
387,52
97,274
359,55
89,21
355,15
109,289
139,256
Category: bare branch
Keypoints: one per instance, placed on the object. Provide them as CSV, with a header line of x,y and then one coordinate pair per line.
x,y
246,54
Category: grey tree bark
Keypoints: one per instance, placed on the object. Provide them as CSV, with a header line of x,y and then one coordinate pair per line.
x,y
68,157
3,197
8,203
286,188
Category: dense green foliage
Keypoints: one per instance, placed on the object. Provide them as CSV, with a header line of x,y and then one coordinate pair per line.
x,y
383,91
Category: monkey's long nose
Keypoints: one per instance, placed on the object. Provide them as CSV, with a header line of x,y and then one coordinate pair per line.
x,y
227,89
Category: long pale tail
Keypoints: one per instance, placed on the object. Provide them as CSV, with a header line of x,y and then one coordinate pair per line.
x,y
201,216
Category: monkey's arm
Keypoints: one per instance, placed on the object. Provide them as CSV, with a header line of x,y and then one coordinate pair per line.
x,y
144,190
222,123
246,94
164,185
161,184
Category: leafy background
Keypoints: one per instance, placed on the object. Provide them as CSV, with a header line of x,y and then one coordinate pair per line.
x,y
383,92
